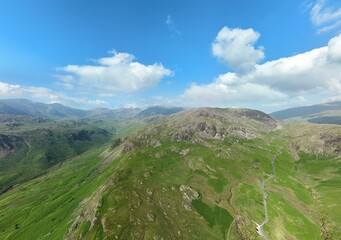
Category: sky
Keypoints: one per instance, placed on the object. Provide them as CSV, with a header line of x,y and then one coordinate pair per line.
x,y
267,55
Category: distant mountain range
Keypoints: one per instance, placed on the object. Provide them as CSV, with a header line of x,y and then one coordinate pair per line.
x,y
29,108
320,113
26,107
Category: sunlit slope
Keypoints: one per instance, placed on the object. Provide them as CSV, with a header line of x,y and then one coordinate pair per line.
x,y
43,207
198,177
195,176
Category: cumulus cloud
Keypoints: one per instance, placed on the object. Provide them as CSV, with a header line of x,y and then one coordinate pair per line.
x,y
324,17
235,47
46,95
219,94
117,73
314,72
334,49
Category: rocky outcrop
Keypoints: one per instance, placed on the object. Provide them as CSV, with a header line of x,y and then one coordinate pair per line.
x,y
332,142
128,147
9,145
188,194
218,124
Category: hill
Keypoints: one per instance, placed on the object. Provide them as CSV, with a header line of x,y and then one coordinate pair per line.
x,y
29,153
198,174
320,113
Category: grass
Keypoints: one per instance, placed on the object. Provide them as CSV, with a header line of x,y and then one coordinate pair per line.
x,y
44,207
214,216
141,193
295,222
322,174
127,203
40,149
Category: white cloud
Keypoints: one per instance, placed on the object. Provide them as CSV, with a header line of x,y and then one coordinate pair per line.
x,y
130,105
331,27
169,20
235,47
321,14
280,81
314,71
334,49
218,94
117,73
46,95
325,18
171,26
292,102
9,90
331,99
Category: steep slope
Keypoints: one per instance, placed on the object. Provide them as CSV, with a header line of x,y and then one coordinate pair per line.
x,y
30,153
195,175
318,165
42,208
198,175
172,179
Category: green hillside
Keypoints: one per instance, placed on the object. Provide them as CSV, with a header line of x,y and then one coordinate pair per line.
x,y
194,175
28,154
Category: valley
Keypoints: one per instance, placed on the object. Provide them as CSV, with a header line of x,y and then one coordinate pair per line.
x,y
266,218
205,173
170,120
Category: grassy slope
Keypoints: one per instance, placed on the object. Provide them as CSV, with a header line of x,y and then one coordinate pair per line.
x,y
42,149
43,207
147,185
141,193
149,182
317,168
46,143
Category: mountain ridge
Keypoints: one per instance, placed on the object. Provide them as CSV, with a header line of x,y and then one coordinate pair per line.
x,y
30,108
312,111
195,174
25,107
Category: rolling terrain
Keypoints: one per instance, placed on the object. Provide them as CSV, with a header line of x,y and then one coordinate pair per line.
x,y
195,174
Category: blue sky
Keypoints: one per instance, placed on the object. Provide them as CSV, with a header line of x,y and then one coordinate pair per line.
x,y
267,55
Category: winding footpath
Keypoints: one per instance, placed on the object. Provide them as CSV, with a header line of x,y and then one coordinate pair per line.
x,y
259,227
